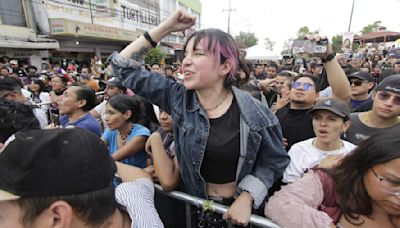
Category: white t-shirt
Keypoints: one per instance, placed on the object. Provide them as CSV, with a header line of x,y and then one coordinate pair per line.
x,y
304,155
101,109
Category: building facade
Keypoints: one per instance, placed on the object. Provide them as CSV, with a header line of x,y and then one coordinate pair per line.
x,y
19,37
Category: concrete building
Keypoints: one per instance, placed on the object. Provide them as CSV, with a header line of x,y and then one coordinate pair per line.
x,y
19,37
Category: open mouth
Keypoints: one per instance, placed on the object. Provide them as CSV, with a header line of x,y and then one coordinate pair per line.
x,y
323,132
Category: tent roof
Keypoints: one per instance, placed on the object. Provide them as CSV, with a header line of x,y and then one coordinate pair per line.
x,y
259,52
378,36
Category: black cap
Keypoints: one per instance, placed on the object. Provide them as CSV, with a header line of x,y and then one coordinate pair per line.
x,y
115,82
336,106
390,84
362,75
54,162
9,84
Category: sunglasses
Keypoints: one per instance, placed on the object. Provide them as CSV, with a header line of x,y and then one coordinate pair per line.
x,y
356,82
383,96
305,86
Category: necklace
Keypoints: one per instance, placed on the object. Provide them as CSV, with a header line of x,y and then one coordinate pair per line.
x,y
220,103
124,138
367,119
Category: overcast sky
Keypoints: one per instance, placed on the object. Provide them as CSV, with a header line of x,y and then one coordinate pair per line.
x,y
281,19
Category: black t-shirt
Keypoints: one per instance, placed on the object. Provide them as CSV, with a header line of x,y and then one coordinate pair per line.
x,y
296,125
222,151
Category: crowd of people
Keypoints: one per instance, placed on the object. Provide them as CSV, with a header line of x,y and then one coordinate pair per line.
x,y
307,141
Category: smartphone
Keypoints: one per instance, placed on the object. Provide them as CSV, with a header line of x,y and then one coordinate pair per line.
x,y
302,46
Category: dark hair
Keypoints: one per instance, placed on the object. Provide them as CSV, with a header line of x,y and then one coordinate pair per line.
x,y
93,208
123,103
272,64
312,77
348,176
88,94
40,83
15,116
10,84
222,46
147,117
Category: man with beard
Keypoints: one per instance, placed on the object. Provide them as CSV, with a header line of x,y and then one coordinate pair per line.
x,y
295,119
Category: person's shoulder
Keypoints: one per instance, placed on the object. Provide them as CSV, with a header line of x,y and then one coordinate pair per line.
x,y
139,129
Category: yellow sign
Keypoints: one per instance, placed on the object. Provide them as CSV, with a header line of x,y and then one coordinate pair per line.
x,y
74,28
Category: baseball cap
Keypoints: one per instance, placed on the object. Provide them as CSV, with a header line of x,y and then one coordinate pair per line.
x,y
115,82
362,75
54,162
390,83
13,62
336,106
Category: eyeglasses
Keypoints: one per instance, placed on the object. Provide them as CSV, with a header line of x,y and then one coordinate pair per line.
x,y
388,186
305,86
383,96
356,82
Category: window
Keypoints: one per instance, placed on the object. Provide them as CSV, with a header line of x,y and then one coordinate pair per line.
x,y
12,13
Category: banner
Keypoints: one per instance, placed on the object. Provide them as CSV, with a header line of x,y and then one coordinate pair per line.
x,y
347,40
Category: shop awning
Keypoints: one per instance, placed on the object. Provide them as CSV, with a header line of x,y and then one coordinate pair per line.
x,y
37,43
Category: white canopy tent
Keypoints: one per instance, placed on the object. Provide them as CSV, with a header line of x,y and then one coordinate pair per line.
x,y
259,52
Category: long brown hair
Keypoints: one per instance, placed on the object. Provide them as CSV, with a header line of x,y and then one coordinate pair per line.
x,y
349,175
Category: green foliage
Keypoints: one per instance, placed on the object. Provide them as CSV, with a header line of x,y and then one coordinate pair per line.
x,y
246,39
155,55
304,31
371,27
337,42
269,44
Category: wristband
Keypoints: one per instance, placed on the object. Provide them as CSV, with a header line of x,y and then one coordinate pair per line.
x,y
148,38
328,58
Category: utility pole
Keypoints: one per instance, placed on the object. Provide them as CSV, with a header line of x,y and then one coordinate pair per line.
x,y
351,16
90,8
229,16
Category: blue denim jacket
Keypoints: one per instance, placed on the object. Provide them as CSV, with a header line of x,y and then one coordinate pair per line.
x,y
262,156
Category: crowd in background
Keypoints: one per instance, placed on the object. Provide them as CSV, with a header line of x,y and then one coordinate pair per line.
x,y
330,117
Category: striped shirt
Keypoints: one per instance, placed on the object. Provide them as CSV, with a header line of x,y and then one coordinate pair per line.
x,y
138,199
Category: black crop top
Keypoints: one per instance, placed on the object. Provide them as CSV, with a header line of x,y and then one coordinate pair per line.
x,y
223,147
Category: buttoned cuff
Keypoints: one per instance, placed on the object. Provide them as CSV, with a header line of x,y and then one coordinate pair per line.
x,y
255,187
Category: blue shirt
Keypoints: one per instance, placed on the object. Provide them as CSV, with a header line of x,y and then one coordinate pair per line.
x,y
138,159
355,104
87,122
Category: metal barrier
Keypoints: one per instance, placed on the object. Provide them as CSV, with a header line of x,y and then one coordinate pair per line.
x,y
256,220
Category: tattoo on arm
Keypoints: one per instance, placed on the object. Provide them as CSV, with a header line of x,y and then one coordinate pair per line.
x,y
139,55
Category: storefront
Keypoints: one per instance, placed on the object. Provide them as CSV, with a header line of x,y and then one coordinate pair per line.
x,y
90,28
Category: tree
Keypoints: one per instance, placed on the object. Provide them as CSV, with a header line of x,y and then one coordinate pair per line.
x,y
337,42
155,55
371,27
304,31
287,47
246,39
269,44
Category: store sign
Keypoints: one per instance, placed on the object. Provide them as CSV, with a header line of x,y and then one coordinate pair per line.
x,y
73,28
122,14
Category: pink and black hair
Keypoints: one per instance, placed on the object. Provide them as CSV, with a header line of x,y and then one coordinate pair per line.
x,y
222,46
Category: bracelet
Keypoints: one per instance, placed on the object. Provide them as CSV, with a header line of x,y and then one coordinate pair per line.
x,y
148,38
328,58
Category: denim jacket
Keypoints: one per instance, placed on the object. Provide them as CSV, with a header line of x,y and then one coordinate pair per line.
x,y
262,156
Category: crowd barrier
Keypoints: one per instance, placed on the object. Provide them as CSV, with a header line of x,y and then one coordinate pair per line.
x,y
189,200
